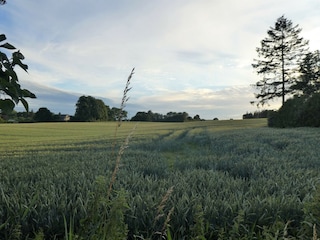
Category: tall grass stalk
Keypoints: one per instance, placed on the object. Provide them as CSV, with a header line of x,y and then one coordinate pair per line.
x,y
315,236
160,213
162,205
125,144
68,233
124,101
106,212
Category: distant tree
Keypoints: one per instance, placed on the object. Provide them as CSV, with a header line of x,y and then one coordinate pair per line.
x,y
9,115
279,57
176,117
196,118
140,116
100,110
257,114
84,107
9,83
156,117
308,82
25,116
114,113
148,116
247,116
43,115
89,109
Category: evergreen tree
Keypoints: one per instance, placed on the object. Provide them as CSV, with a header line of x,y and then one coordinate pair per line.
x,y
279,57
309,80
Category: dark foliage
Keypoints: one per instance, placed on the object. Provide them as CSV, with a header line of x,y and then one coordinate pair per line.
x,y
43,115
90,109
169,117
309,81
9,83
299,111
114,112
257,114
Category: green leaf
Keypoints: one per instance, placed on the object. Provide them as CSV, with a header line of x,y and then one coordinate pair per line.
x,y
27,93
2,37
7,46
12,75
3,83
3,57
12,90
17,61
25,104
169,237
18,55
6,105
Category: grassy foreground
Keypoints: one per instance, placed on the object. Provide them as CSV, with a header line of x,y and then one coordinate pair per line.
x,y
227,179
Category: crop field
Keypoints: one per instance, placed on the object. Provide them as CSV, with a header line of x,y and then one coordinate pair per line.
x,y
235,179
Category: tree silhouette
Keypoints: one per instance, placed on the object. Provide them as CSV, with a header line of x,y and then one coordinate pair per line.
x,y
309,81
279,57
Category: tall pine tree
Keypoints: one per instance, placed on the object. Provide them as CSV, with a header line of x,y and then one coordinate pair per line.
x,y
279,57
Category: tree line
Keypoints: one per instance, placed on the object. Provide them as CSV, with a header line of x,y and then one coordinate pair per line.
x,y
90,109
257,114
169,117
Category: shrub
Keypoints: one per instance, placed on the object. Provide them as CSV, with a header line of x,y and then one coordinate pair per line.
x,y
299,111
311,114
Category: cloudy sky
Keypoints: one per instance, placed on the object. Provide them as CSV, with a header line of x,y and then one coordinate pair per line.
x,y
189,55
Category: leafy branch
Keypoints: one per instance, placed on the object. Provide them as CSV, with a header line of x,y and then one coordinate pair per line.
x,y
9,83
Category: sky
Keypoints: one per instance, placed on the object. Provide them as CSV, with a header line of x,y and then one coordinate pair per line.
x,y
189,56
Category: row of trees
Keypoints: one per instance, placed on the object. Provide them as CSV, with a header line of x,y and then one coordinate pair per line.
x,y
257,114
169,117
90,109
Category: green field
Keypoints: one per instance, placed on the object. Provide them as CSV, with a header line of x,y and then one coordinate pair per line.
x,y
235,179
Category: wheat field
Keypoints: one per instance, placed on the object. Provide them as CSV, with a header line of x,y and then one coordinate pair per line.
x,y
235,179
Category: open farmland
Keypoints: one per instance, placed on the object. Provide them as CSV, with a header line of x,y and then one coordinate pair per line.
x,y
230,179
